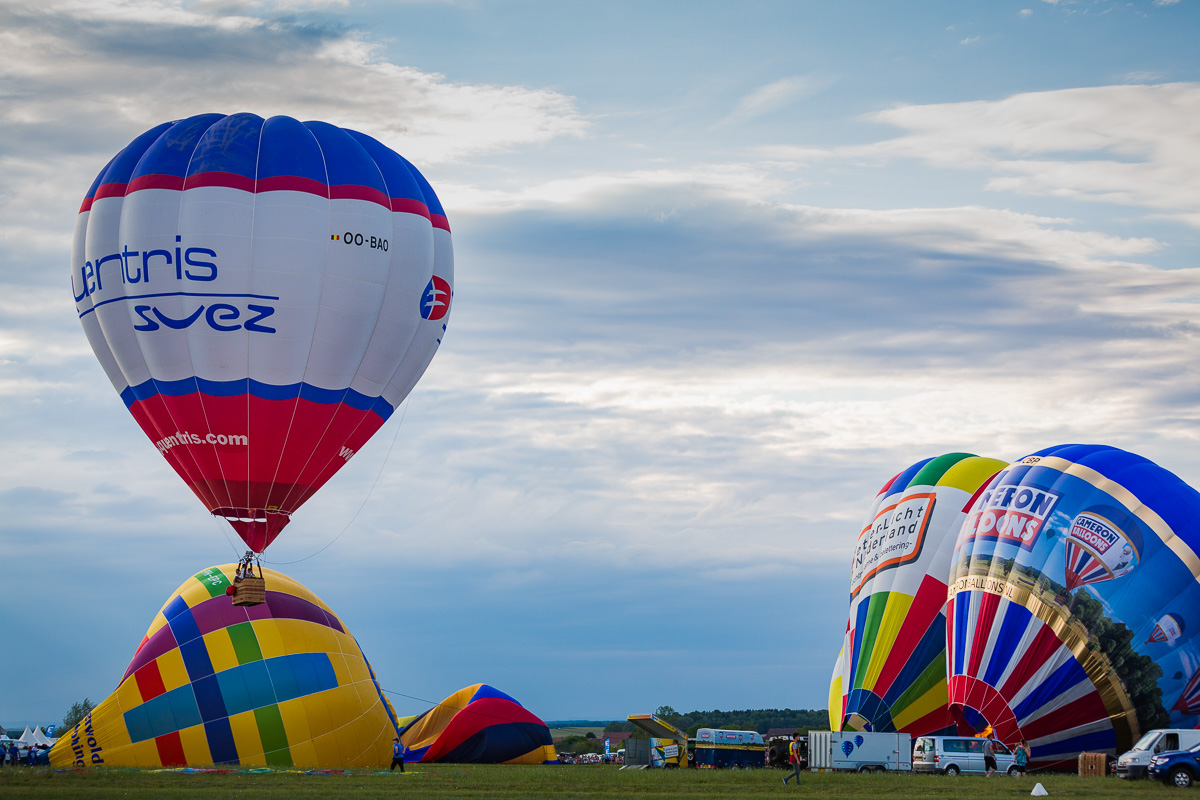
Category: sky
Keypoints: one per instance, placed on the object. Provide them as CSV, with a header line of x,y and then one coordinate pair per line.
x,y
721,270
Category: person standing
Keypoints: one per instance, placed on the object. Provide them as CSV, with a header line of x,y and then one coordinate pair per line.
x,y
989,757
397,754
1022,758
14,755
794,759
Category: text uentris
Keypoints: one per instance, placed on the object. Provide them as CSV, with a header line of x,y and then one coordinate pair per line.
x,y
895,537
1011,513
184,437
166,273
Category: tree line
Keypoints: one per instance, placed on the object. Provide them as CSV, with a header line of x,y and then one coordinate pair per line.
x,y
757,719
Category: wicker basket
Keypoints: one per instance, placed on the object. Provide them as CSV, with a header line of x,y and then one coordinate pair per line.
x,y
1093,765
251,591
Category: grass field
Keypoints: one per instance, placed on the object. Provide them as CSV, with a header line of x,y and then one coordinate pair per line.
x,y
469,781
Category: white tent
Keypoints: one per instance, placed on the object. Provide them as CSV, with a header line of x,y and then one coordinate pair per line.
x,y
35,736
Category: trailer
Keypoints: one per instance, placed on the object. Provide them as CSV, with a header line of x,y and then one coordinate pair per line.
x,y
718,748
855,751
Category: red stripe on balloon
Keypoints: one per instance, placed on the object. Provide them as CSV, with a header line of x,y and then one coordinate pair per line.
x,y
292,183
350,191
229,180
174,182
1045,644
149,681
440,221
110,190
925,607
170,750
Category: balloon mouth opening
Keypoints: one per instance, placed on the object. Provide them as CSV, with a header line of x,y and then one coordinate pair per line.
x,y
260,515
258,527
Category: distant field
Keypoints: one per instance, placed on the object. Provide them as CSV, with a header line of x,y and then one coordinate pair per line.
x,y
455,781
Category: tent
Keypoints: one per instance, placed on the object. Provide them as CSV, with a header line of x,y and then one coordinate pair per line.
x,y
35,736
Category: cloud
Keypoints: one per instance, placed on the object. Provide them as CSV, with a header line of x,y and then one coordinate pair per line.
x,y
126,68
773,97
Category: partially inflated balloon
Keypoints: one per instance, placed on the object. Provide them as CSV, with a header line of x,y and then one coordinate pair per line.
x,y
279,684
891,673
262,294
1062,614
478,725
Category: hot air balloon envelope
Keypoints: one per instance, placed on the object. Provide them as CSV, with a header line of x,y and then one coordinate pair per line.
x,y
262,294
891,673
280,684
1065,561
478,725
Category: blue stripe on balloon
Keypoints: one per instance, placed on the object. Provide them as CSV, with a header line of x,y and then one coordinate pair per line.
x,y
264,391
396,173
1087,742
1062,679
290,149
933,642
229,145
123,298
902,480
122,167
221,745
347,162
490,691
1012,628
172,151
209,698
962,608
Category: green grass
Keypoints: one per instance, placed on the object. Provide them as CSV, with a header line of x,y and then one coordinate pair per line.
x,y
470,781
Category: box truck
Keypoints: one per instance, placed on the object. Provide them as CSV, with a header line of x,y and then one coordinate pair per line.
x,y
859,751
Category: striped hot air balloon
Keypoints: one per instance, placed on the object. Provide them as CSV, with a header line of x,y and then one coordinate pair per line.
x,y
478,725
891,674
1063,557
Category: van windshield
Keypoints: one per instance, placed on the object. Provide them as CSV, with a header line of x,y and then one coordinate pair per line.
x,y
1147,741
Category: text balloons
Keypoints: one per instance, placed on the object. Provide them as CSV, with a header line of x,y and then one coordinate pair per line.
x,y
1062,615
891,673
281,684
262,294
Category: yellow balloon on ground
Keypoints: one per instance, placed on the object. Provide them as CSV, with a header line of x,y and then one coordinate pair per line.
x,y
282,684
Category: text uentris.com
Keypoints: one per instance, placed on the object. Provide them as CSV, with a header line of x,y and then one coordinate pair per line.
x,y
184,437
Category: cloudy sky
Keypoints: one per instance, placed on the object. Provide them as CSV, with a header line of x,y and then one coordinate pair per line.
x,y
721,270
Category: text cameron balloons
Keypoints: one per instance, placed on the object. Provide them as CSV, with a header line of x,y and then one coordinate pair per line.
x,y
263,294
1071,581
891,674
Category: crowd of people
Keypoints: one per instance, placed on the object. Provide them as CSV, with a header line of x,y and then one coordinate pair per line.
x,y
21,755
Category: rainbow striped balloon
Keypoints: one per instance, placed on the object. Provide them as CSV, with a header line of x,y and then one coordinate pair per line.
x,y
891,672
282,684
478,725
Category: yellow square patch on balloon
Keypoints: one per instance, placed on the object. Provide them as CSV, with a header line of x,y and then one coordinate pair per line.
x,y
295,720
220,650
172,670
247,740
195,745
269,640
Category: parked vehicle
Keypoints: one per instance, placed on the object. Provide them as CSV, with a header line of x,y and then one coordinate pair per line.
x,y
1135,762
853,751
717,748
955,755
1176,767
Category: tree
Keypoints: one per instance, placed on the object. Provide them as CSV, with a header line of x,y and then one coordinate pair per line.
x,y
77,714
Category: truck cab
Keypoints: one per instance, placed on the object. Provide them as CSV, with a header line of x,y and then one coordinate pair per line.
x,y
1136,762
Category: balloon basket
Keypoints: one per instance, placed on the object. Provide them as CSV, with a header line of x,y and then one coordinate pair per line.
x,y
251,591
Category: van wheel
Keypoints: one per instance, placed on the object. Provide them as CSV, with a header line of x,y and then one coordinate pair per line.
x,y
1012,771
1181,778
951,770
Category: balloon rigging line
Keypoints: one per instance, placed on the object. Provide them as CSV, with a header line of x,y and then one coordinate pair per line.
x,y
395,436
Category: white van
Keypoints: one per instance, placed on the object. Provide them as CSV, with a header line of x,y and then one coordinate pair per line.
x,y
1163,740
953,755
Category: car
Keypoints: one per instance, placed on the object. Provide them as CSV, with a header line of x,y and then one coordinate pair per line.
x,y
954,755
1176,767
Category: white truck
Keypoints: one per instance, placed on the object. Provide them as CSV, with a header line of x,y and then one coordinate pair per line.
x,y
1134,763
854,751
